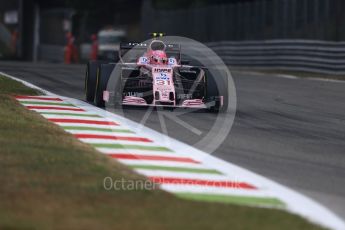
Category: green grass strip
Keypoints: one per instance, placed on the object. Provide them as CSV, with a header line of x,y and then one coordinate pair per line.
x,y
71,114
241,200
46,103
138,147
96,129
176,169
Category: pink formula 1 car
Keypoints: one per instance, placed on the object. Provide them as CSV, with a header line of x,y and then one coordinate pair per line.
x,y
153,75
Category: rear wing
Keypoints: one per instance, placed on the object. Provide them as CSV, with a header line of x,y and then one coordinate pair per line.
x,y
139,48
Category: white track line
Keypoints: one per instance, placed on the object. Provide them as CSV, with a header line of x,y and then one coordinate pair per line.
x,y
50,116
187,175
215,190
113,133
56,111
121,142
139,152
63,124
52,106
163,163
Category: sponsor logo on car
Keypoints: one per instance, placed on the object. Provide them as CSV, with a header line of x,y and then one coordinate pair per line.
x,y
134,94
172,61
137,44
162,70
162,76
143,60
184,96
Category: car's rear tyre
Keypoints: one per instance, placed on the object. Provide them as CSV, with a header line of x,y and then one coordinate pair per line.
x,y
90,79
217,89
103,74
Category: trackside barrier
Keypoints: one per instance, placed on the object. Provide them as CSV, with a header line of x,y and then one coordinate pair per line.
x,y
299,55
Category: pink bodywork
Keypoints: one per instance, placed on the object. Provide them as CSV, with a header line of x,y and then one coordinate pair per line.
x,y
163,85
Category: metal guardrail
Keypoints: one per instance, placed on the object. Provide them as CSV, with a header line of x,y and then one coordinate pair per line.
x,y
300,55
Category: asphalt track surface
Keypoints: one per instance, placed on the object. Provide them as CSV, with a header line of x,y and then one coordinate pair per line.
x,y
289,130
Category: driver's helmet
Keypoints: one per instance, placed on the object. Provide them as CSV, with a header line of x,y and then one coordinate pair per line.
x,y
158,57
